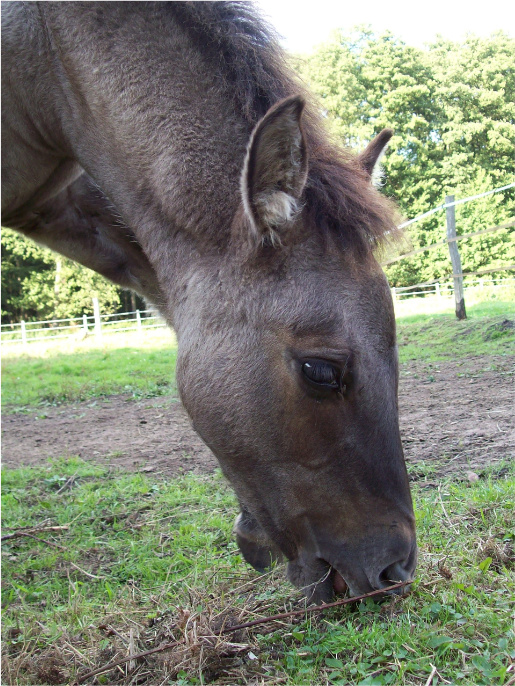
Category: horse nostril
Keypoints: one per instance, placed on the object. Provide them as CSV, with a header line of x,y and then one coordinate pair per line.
x,y
393,574
401,570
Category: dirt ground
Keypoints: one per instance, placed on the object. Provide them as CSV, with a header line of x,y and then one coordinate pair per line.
x,y
455,418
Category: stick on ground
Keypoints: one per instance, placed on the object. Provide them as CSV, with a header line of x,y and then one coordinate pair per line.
x,y
246,625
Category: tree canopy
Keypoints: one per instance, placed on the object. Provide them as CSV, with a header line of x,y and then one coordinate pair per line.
x,y
38,284
452,108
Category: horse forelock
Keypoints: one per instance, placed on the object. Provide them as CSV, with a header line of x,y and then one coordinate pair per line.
x,y
339,198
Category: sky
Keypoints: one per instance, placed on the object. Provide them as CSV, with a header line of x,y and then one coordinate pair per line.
x,y
305,23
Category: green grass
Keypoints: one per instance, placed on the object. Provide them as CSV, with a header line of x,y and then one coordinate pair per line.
x,y
99,503
56,377
137,552
442,337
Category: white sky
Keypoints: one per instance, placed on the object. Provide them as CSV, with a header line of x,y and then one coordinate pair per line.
x,y
305,23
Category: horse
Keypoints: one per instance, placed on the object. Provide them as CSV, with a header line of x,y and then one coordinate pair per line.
x,y
170,147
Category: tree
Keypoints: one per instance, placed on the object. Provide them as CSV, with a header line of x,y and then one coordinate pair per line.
x,y
452,108
40,284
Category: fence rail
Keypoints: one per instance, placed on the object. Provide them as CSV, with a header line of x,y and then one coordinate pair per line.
x,y
445,289
80,327
455,239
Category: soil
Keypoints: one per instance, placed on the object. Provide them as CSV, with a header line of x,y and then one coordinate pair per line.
x,y
456,418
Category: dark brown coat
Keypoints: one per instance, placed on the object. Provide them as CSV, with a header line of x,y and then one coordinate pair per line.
x,y
167,146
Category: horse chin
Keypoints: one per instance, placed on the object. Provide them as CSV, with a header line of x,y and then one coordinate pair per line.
x,y
317,579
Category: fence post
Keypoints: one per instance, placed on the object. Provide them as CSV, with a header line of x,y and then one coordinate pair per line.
x,y
96,313
438,294
138,320
23,333
394,294
85,324
459,297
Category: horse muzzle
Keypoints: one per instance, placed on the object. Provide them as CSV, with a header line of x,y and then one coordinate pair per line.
x,y
363,568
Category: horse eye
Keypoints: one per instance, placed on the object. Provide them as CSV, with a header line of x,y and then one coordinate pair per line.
x,y
322,374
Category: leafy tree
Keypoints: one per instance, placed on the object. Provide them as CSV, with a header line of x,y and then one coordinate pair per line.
x,y
20,258
476,94
40,284
452,108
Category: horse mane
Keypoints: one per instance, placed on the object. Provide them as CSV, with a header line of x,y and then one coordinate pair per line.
x,y
245,50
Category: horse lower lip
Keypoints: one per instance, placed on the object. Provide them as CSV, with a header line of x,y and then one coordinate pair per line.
x,y
339,583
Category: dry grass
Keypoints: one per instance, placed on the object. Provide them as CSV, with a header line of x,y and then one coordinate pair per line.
x,y
195,639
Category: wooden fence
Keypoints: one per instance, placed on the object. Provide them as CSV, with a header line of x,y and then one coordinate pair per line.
x,y
452,242
445,289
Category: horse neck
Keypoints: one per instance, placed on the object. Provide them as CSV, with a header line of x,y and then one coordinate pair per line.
x,y
153,126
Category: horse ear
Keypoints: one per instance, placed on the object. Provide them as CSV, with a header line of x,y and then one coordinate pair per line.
x,y
275,171
371,156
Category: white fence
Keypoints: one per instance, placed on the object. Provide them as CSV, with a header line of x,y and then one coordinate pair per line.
x,y
79,328
446,290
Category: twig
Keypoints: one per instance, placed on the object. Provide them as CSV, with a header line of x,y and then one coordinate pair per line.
x,y
237,627
248,582
114,664
68,483
35,530
75,650
54,545
36,538
445,511
83,571
315,608
132,647
111,630
430,678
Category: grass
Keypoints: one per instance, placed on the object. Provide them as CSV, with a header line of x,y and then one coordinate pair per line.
x,y
150,556
52,376
440,336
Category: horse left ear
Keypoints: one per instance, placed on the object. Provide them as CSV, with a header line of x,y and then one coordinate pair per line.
x,y
275,171
371,156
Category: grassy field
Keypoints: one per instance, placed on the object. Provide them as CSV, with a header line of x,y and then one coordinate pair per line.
x,y
137,366
137,557
97,562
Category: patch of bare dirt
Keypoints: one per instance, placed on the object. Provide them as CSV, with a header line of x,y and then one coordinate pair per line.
x,y
152,435
455,417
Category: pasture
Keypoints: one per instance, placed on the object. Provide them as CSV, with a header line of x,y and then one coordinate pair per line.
x,y
117,526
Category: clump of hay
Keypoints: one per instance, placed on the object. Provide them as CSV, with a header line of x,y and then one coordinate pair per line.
x,y
202,649
501,552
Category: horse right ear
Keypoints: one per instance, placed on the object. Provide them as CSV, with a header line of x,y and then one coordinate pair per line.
x,y
370,158
275,171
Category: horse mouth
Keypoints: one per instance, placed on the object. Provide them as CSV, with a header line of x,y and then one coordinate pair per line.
x,y
331,585
341,587
339,584
322,582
